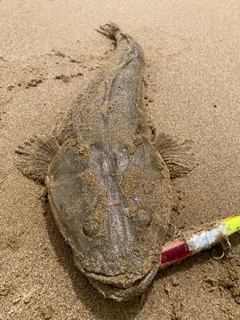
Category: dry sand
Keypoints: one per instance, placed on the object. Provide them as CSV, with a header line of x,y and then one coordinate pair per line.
x,y
49,49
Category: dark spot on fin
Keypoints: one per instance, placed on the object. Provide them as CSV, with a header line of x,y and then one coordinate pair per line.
x,y
35,156
177,156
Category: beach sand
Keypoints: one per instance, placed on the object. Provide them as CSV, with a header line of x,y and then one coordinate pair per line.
x,y
49,50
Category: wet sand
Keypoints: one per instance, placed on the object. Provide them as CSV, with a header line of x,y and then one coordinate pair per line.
x,y
49,51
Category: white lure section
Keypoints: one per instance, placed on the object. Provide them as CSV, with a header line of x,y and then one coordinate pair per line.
x,y
206,239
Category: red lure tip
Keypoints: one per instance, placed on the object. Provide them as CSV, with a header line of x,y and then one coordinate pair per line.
x,y
174,253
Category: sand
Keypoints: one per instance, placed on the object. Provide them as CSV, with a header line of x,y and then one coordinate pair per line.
x,y
49,50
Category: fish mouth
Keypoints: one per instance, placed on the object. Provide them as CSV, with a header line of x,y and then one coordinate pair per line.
x,y
122,294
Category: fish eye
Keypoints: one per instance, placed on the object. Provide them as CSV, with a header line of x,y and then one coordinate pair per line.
x,y
91,227
143,218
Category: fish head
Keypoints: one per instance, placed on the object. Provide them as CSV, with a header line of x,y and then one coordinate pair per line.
x,y
112,207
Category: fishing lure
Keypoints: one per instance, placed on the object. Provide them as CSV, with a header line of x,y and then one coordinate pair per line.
x,y
201,240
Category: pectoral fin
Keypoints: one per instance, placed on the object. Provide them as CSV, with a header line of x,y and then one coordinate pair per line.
x,y
35,156
177,156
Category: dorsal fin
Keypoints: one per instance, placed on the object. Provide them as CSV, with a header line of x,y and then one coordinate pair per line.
x,y
35,156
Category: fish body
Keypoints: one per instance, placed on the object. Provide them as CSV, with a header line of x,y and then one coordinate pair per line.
x,y
108,186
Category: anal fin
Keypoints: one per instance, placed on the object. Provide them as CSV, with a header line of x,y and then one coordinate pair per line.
x,y
35,156
178,156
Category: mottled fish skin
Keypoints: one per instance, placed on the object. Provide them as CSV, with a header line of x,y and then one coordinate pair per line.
x,y
111,109
109,189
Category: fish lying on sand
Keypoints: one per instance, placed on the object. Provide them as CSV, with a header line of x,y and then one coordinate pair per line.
x,y
108,176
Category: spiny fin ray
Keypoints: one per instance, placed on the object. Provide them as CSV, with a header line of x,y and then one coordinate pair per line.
x,y
177,156
35,156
